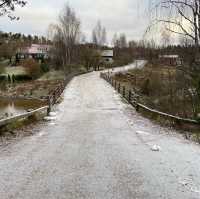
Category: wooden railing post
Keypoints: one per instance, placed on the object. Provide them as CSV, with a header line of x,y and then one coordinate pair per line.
x,y
119,88
124,91
54,97
49,104
129,96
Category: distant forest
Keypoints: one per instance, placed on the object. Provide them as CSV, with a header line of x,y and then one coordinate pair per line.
x,y
10,42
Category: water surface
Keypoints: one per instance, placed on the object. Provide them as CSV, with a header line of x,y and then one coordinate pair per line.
x,y
11,107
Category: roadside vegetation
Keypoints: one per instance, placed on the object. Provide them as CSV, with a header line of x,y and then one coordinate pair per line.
x,y
161,88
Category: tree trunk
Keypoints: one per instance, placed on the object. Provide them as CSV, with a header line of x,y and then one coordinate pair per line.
x,y
196,31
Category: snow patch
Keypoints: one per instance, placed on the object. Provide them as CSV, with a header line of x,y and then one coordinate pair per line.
x,y
52,114
142,133
48,118
42,133
52,124
155,148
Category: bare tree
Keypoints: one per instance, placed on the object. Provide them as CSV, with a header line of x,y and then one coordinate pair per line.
x,y
70,30
165,38
132,44
99,35
181,17
7,7
66,35
120,42
114,40
104,36
123,41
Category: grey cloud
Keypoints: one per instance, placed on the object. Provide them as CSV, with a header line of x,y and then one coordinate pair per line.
x,y
126,16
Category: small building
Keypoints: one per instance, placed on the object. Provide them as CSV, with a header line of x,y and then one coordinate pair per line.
x,y
107,56
170,60
35,51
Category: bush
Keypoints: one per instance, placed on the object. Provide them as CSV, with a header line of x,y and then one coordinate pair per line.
x,y
2,68
44,68
3,78
21,77
3,82
32,68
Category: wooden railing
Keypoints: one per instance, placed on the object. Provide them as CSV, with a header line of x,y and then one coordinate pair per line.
x,y
10,120
133,99
55,94
52,99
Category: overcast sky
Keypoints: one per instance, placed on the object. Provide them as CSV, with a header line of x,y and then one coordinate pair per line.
x,y
128,16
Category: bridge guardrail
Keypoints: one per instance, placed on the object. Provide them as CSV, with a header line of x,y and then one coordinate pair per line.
x,y
132,98
9,120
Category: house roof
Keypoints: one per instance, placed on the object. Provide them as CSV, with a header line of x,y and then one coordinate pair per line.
x,y
36,49
169,56
107,53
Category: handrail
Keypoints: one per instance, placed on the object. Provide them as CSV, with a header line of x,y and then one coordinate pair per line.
x,y
9,120
137,105
56,93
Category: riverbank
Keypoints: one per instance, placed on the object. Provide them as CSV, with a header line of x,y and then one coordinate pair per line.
x,y
36,89
24,128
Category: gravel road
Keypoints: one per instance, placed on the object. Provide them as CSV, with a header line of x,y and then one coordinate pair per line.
x,y
98,147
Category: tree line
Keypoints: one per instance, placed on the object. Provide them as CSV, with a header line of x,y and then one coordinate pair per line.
x,y
11,42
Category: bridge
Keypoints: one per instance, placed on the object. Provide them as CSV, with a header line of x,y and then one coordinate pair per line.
x,y
98,147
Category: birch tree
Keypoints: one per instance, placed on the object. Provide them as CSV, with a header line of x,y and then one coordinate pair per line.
x,y
66,35
99,35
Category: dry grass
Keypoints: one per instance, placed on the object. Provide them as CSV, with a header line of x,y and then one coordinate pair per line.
x,y
35,89
159,88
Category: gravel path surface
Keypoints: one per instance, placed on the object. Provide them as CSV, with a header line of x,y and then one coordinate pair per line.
x,y
98,147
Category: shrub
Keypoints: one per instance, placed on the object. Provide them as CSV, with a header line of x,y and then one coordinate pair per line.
x,y
21,77
146,87
9,79
32,68
3,82
44,68
3,78
2,68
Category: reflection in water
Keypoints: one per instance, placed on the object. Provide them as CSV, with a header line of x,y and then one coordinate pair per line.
x,y
10,107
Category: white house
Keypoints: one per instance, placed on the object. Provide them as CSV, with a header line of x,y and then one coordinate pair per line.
x,y
107,56
36,51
